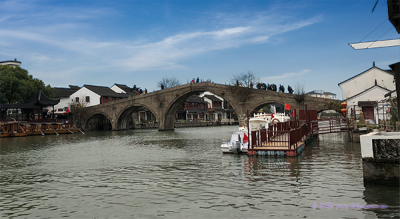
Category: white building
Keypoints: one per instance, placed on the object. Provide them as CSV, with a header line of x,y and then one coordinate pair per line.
x,y
64,95
322,94
91,95
13,63
365,92
122,88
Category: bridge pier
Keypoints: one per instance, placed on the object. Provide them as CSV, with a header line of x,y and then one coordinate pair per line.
x,y
167,124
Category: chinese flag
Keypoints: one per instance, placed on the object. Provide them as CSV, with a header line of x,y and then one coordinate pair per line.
x,y
67,110
287,106
272,115
245,138
294,113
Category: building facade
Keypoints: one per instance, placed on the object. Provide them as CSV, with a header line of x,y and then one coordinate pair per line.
x,y
365,93
321,94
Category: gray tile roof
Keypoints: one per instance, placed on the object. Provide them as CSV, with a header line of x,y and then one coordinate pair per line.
x,y
213,98
195,99
104,91
42,100
64,92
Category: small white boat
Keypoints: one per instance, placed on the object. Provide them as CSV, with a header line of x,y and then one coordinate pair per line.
x,y
239,142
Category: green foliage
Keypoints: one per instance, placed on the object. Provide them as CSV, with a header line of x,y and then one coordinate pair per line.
x,y
333,105
17,86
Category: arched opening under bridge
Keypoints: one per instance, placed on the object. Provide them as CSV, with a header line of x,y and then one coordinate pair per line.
x,y
200,108
98,121
137,117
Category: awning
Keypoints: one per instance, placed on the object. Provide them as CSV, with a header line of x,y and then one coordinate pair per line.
x,y
376,44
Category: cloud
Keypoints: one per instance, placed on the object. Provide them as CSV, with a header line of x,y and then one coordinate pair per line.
x,y
70,37
285,75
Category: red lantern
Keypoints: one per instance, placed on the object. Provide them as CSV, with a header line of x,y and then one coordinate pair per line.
x,y
344,111
344,104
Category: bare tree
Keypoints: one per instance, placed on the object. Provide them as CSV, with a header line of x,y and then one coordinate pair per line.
x,y
168,83
247,79
78,110
299,92
242,85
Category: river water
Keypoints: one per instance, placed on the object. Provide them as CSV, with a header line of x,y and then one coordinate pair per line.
x,y
182,174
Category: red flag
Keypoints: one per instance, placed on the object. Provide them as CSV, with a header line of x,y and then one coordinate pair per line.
x,y
287,106
294,113
245,138
272,115
67,110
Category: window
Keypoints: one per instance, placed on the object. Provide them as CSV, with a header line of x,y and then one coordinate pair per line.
x,y
77,99
87,99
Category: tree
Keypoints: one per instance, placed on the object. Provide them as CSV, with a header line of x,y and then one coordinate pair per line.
x,y
17,86
299,92
245,79
242,85
168,83
79,111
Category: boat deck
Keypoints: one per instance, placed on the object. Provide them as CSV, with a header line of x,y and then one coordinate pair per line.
x,y
283,139
279,146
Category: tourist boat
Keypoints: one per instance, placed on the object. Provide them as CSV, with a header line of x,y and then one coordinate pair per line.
x,y
239,142
16,129
48,129
4,130
34,129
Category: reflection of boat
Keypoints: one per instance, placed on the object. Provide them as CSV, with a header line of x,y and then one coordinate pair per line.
x,y
239,139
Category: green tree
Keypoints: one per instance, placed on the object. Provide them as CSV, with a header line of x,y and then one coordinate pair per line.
x,y
17,86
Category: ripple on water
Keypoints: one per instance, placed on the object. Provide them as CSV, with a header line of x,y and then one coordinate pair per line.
x,y
180,174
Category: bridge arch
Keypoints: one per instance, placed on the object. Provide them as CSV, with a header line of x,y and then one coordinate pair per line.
x,y
123,120
171,109
98,120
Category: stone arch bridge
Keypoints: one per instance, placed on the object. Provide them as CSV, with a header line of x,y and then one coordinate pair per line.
x,y
164,103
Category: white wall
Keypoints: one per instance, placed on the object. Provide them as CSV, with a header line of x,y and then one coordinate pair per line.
x,y
367,80
117,89
375,94
64,102
82,93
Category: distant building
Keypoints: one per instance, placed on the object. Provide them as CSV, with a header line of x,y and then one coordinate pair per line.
x,y
122,88
194,108
12,63
93,95
365,92
63,94
322,94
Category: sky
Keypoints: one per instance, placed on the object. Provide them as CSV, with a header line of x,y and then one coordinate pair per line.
x,y
102,42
